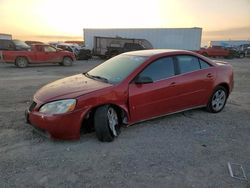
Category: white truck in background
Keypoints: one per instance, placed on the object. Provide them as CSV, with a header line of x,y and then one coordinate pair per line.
x,y
159,38
107,47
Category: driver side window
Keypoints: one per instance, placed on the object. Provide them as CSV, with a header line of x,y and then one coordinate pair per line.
x,y
160,69
49,49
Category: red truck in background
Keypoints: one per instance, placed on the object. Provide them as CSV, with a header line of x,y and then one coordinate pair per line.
x,y
39,53
215,51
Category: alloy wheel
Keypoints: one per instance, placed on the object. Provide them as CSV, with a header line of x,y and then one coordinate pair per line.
x,y
218,100
112,120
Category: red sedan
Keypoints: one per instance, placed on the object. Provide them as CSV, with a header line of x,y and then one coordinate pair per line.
x,y
129,88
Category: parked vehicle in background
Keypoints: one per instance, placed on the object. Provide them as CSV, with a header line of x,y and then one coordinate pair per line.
x,y
216,51
247,52
116,50
233,52
106,47
129,88
228,43
39,53
243,50
84,54
68,47
80,52
13,45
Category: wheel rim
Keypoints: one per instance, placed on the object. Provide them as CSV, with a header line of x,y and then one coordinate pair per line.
x,y
219,99
113,120
21,62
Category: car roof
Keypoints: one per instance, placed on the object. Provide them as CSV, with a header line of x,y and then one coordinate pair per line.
x,y
154,52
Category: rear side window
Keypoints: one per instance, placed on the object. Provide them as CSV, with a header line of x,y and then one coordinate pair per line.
x,y
204,64
187,63
49,49
160,69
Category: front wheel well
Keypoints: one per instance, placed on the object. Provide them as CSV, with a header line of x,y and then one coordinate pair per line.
x,y
225,85
21,57
66,56
88,121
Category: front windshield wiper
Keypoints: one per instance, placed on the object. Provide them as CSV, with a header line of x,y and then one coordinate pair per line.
x,y
96,77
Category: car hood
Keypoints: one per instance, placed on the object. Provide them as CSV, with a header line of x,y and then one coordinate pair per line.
x,y
69,87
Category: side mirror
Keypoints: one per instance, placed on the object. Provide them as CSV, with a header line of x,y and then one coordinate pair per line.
x,y
143,80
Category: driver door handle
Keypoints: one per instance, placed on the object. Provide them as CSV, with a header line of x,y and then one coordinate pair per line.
x,y
173,84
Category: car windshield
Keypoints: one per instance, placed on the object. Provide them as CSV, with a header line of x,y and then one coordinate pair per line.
x,y
21,44
116,69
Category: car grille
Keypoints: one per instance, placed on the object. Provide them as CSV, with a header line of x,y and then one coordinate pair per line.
x,y
32,106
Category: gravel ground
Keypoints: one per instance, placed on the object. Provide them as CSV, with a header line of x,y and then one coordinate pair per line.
x,y
189,149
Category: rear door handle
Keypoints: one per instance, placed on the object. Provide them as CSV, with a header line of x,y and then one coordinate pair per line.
x,y
209,75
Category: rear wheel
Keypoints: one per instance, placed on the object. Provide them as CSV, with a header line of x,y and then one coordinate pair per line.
x,y
106,123
217,100
21,62
67,61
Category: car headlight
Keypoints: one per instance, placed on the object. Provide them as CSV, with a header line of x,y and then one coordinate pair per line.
x,y
58,107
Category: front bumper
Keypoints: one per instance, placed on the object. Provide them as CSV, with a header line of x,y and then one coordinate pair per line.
x,y
61,126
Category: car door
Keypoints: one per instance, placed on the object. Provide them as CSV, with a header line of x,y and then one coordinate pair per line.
x,y
155,98
51,55
222,51
37,54
195,81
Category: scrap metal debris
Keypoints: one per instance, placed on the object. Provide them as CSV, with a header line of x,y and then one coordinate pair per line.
x,y
236,171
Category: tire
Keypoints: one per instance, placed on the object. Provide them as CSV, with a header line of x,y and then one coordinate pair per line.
x,y
106,123
67,61
218,100
21,62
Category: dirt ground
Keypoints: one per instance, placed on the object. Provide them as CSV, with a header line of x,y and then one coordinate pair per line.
x,y
189,149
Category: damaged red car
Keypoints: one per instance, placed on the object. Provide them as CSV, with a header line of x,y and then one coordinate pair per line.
x,y
130,88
